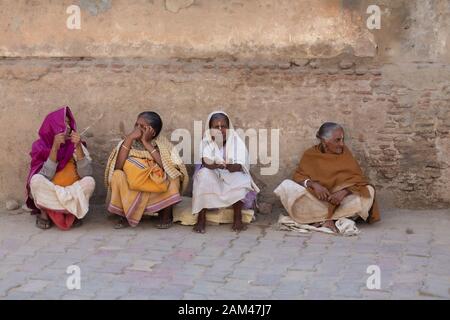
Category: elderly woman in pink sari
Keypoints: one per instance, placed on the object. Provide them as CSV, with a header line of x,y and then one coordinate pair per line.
x,y
59,184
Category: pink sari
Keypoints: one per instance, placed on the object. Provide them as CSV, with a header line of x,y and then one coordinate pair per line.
x,y
53,124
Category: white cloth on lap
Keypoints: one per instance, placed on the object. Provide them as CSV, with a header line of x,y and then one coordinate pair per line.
x,y
214,191
74,198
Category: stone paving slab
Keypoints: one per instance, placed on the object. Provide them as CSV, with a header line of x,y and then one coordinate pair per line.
x,y
411,249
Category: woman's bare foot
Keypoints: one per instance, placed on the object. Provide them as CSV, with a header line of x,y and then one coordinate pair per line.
x,y
330,225
238,225
165,218
201,222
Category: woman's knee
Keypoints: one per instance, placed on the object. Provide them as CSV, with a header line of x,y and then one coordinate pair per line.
x,y
36,181
88,184
118,175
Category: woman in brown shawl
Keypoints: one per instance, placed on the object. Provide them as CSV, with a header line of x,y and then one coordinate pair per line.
x,y
329,184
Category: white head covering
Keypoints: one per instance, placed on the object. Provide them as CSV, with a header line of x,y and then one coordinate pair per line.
x,y
235,149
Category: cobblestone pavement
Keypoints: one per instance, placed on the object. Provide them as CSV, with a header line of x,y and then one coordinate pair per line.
x,y
411,248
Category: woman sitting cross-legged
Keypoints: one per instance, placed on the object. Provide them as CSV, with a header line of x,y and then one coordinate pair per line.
x,y
329,185
60,181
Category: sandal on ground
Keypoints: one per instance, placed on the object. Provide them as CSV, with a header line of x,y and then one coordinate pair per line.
x,y
43,223
164,225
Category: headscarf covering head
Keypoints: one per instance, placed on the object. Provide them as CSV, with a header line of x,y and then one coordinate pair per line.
x,y
53,124
235,149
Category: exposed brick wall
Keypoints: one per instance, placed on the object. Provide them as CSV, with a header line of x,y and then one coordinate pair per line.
x,y
396,123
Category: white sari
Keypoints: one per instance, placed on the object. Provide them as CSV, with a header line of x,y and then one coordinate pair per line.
x,y
221,188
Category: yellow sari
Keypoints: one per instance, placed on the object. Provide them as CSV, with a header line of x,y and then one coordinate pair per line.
x,y
142,187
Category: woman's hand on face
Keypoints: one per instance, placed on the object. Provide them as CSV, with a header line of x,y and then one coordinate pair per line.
x,y
321,192
58,140
136,134
337,197
148,134
75,138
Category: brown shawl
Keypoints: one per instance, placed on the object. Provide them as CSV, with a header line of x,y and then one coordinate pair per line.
x,y
335,172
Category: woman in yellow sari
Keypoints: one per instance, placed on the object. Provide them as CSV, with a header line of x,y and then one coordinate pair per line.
x,y
144,175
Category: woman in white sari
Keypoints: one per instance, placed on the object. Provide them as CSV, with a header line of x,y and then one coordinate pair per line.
x,y
224,178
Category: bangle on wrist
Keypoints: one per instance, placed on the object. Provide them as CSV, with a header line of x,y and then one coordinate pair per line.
x,y
305,183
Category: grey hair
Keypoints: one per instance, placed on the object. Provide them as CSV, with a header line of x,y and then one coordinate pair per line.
x,y
327,129
153,119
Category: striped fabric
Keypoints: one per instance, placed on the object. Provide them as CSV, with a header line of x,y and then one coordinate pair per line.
x,y
172,163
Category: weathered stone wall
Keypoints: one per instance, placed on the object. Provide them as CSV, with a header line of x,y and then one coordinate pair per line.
x,y
270,64
161,29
